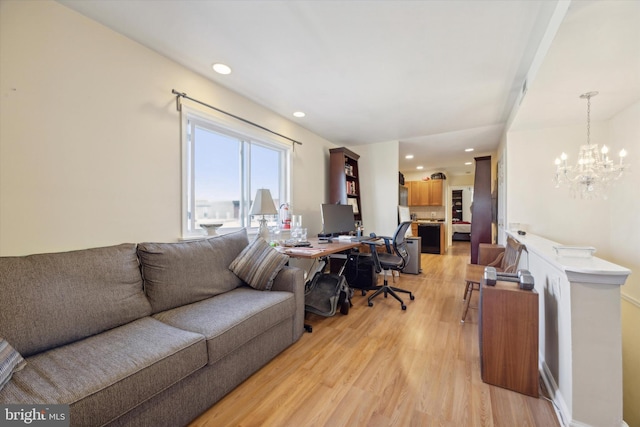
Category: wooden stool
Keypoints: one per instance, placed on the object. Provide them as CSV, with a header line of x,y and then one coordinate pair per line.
x,y
472,276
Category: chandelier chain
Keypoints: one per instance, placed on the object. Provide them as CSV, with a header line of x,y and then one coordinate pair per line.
x,y
588,120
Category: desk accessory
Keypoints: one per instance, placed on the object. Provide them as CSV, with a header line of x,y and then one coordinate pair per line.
x,y
263,205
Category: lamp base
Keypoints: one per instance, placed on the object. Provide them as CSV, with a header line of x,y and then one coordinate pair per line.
x,y
263,231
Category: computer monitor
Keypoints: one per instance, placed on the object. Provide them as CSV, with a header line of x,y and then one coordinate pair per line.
x,y
337,219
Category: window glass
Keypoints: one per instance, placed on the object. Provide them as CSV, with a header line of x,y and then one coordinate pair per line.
x,y
223,169
217,178
265,173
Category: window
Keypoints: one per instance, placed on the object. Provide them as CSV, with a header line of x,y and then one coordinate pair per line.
x,y
222,169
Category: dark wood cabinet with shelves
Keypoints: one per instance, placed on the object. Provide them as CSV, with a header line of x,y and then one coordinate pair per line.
x,y
344,181
456,205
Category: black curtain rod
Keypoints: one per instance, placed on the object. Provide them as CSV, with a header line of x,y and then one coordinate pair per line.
x,y
184,95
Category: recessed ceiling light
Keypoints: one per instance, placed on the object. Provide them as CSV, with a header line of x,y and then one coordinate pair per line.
x,y
221,68
420,167
468,150
409,156
468,163
299,114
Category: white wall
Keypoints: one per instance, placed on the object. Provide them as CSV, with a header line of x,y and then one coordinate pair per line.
x,y
623,244
611,225
378,166
624,249
532,199
90,135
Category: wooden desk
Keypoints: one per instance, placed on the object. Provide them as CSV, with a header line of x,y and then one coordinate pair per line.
x,y
508,327
319,250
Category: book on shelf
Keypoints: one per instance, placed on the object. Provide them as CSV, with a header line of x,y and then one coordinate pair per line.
x,y
348,169
351,188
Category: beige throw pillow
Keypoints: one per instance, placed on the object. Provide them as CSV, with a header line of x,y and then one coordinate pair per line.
x,y
258,264
10,362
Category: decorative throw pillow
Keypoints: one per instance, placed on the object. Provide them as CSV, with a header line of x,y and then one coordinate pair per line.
x,y
258,264
10,362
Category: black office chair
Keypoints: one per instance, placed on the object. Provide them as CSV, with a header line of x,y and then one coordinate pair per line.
x,y
396,258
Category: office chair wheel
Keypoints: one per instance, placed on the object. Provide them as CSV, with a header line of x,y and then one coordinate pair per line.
x,y
411,297
363,292
404,307
370,304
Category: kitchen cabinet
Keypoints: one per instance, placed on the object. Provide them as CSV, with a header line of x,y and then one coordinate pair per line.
x,y
425,193
418,193
435,192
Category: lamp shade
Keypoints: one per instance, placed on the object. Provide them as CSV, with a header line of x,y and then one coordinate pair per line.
x,y
263,203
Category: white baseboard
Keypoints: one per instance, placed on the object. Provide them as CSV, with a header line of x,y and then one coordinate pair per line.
x,y
630,299
559,405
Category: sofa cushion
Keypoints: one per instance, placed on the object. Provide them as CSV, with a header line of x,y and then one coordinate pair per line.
x,y
105,376
176,274
48,300
10,362
258,264
232,319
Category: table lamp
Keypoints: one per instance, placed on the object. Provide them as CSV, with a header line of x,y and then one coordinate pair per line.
x,y
263,205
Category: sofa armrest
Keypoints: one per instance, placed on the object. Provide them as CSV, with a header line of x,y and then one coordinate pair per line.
x,y
291,279
489,254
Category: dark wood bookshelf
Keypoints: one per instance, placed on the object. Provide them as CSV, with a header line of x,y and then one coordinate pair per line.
x,y
344,181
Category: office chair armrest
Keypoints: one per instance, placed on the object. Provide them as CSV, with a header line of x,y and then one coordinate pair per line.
x,y
387,243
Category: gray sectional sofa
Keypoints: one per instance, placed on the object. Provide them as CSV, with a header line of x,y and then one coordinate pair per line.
x,y
141,335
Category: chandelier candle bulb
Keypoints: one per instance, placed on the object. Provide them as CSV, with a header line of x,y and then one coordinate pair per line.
x,y
622,154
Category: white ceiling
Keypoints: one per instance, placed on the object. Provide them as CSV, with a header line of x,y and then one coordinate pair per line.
x,y
597,48
438,76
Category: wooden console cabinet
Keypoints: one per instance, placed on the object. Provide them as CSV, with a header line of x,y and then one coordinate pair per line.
x,y
508,328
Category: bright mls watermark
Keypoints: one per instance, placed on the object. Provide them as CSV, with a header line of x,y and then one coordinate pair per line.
x,y
34,415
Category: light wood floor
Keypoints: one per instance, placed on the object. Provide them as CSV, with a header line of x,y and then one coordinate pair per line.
x,y
381,366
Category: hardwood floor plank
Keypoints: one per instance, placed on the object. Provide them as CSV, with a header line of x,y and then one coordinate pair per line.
x,y
385,366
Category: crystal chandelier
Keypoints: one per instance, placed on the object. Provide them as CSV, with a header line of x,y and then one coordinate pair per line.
x,y
594,171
